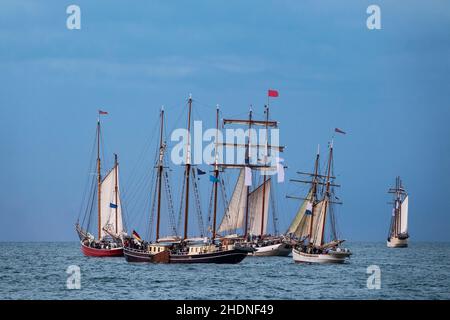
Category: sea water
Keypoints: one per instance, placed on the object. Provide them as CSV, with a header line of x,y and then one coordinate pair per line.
x,y
39,271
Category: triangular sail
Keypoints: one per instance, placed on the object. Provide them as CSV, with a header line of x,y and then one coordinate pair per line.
x,y
255,208
300,225
108,204
404,216
235,213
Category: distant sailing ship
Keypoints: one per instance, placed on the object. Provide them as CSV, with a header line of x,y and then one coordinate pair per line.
x,y
109,212
248,210
186,250
398,230
309,226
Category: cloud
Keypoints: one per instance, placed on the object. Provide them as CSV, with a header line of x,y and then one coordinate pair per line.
x,y
172,67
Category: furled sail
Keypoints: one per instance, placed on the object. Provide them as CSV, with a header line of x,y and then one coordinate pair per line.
x,y
255,208
404,216
235,213
300,225
108,204
319,222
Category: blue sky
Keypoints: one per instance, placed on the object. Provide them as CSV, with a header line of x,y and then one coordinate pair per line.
x,y
389,89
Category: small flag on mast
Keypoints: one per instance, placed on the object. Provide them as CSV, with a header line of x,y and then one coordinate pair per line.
x,y
136,236
272,93
200,172
112,205
102,112
213,179
339,131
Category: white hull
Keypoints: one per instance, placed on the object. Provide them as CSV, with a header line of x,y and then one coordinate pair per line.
x,y
279,249
397,243
334,257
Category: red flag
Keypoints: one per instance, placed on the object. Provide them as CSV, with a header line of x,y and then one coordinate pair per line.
x,y
272,93
338,130
102,112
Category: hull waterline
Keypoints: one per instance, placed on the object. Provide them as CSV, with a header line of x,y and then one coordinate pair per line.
x,y
94,252
220,257
280,250
397,243
335,257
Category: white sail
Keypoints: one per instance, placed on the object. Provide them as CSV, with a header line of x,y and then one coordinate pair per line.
x,y
255,208
235,213
404,216
300,225
319,222
108,202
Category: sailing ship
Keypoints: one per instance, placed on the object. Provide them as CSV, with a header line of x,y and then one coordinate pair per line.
x,y
248,210
185,249
309,226
135,248
110,227
398,230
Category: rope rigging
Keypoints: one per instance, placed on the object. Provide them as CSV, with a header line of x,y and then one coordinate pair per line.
x,y
198,207
180,213
168,192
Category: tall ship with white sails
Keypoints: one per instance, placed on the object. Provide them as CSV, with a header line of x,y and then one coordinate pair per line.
x,y
247,212
398,230
310,225
104,195
184,249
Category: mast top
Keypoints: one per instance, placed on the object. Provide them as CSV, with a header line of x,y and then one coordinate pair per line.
x,y
318,149
190,96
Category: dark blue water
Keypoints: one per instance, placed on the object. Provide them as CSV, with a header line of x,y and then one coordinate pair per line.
x,y
38,271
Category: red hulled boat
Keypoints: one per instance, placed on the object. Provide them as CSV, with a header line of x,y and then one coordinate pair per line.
x,y
105,190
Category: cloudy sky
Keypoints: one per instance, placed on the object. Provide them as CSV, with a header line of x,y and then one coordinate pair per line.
x,y
389,89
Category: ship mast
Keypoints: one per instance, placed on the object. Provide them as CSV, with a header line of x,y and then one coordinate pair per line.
x,y
247,161
216,175
314,194
99,180
187,169
398,192
327,190
266,111
116,190
160,172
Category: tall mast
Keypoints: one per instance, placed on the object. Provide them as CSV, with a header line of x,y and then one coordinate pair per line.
x,y
187,170
116,189
160,171
327,190
398,206
216,175
314,194
266,111
247,161
99,180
